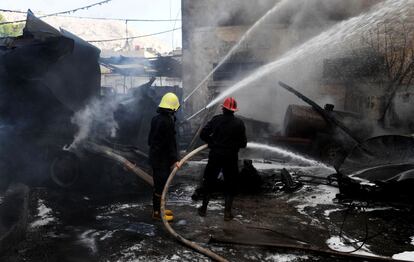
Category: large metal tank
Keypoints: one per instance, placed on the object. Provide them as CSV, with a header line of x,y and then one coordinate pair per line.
x,y
328,143
304,121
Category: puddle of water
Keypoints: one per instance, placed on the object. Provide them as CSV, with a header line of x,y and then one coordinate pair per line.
x,y
44,215
322,195
337,243
142,228
285,258
116,208
407,255
88,239
328,212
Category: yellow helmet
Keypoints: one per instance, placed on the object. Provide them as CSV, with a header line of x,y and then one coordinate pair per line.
x,y
170,101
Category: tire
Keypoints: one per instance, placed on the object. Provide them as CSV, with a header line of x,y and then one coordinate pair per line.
x,y
65,169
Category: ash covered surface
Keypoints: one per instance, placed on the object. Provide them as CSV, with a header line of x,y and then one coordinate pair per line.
x,y
68,226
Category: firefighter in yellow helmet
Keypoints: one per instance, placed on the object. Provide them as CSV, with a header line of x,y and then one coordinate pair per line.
x,y
163,153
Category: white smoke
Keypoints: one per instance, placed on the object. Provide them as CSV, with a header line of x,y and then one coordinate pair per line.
x,y
95,120
297,20
302,66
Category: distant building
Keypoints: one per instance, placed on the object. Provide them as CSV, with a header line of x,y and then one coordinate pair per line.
x,y
360,84
123,71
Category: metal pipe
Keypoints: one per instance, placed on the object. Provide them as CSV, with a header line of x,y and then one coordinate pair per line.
x,y
170,230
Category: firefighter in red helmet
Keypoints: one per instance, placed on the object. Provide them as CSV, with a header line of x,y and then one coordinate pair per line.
x,y
225,134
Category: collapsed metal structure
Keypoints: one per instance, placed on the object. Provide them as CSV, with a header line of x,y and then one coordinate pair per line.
x,y
46,76
385,173
377,169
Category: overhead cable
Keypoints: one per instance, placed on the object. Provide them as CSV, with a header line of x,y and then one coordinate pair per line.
x,y
131,37
126,19
61,13
102,18
12,11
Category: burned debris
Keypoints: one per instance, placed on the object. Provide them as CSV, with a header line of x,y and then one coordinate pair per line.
x,y
382,174
40,91
377,169
48,76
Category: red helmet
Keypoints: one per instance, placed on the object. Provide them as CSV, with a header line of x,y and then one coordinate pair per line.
x,y
230,103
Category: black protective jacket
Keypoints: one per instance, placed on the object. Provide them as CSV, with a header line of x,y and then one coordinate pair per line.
x,y
225,135
161,139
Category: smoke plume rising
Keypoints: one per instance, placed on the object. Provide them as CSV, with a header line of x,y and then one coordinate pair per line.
x,y
297,20
95,120
302,66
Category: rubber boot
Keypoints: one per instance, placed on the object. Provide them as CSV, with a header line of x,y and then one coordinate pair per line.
x,y
156,215
202,210
228,202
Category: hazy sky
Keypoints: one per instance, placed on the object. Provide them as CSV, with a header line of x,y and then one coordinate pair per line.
x,y
138,9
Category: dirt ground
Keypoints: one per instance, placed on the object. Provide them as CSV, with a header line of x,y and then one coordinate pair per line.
x,y
67,226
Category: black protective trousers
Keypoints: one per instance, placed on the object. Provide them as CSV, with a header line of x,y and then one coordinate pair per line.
x,y
160,175
228,164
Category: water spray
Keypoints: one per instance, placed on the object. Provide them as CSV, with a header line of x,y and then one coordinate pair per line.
x,y
286,153
173,173
325,44
244,37
195,114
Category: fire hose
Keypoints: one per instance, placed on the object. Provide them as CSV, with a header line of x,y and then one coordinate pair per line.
x,y
130,166
170,230
124,162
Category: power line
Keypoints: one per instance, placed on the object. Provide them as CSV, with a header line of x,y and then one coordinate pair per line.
x,y
131,37
12,11
103,18
61,13
125,19
172,34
